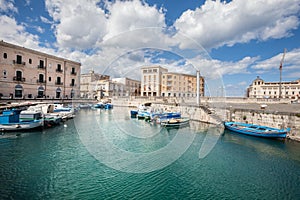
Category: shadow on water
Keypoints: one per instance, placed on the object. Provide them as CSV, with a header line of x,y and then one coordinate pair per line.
x,y
283,148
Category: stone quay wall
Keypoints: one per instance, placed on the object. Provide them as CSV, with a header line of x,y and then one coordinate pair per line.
x,y
217,115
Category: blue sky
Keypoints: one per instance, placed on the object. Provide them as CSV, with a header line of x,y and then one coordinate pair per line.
x,y
230,42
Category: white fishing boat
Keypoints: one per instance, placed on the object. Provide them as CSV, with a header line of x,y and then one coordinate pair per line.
x,y
176,122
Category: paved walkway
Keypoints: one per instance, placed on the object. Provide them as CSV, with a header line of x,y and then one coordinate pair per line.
x,y
285,108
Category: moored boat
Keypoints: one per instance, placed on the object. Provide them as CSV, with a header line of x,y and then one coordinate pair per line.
x,y
175,122
133,113
12,120
256,130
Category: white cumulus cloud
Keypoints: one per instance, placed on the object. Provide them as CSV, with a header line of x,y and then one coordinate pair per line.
x,y
216,23
79,24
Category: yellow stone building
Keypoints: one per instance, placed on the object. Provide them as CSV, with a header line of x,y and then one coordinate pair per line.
x,y
26,73
180,85
157,81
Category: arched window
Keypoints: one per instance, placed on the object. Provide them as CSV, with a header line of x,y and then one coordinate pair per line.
x,y
72,93
41,92
58,91
18,91
5,55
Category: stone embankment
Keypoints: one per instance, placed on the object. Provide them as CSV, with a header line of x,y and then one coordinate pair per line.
x,y
277,115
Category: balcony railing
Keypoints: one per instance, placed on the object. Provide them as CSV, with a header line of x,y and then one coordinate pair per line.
x,y
73,73
40,81
18,63
21,79
72,85
41,67
58,83
59,70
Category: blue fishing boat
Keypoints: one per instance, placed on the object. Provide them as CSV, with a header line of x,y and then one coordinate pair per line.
x,y
256,130
159,117
143,114
108,106
16,120
133,113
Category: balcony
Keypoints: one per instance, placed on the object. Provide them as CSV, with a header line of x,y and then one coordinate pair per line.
x,y
58,83
59,70
40,81
72,85
20,79
41,67
18,63
73,73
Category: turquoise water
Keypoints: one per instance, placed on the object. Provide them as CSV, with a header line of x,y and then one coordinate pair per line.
x,y
75,162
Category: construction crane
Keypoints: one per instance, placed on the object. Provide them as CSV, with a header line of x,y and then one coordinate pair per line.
x,y
280,69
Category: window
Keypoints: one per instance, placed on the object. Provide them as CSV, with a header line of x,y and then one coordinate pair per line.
x,y
4,73
41,64
40,92
19,59
30,61
41,78
5,55
73,82
58,91
58,69
18,91
49,79
18,76
73,71
58,80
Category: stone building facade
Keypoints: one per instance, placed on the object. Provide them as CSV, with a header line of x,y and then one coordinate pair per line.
x,y
97,86
261,89
157,81
132,87
180,85
151,80
26,73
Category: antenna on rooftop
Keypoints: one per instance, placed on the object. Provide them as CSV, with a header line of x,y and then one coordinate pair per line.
x,y
280,69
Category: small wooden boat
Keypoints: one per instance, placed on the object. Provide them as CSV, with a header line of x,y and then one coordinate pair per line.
x,y
176,122
256,130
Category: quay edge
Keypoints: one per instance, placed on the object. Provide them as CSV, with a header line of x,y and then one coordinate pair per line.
x,y
277,115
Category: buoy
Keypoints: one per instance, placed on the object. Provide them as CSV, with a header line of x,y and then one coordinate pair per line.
x,y
65,125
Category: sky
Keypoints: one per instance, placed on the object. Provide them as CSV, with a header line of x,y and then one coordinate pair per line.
x,y
229,42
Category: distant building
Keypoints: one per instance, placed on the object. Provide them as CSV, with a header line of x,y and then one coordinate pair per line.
x,y
26,73
132,87
261,89
97,86
89,84
180,85
157,81
151,80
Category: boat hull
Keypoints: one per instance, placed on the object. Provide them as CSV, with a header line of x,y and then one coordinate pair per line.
x,y
180,122
21,126
247,129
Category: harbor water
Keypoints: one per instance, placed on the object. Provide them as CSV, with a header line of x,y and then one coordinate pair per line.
x,y
105,154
